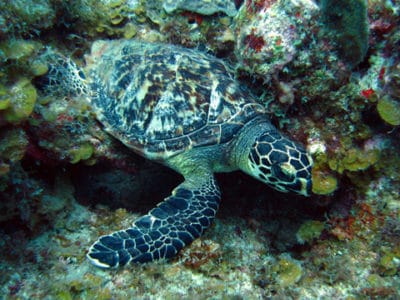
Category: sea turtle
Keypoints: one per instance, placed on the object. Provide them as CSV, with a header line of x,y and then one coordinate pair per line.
x,y
184,109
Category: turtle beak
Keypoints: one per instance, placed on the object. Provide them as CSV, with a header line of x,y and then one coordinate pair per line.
x,y
306,185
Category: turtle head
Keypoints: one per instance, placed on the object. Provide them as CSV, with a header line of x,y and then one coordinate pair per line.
x,y
63,78
280,163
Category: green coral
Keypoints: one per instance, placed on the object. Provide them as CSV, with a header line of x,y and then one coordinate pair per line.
x,y
346,22
4,99
88,287
64,295
202,7
105,16
19,49
81,152
288,271
20,59
22,98
389,263
323,182
375,280
354,159
13,144
309,231
389,110
38,67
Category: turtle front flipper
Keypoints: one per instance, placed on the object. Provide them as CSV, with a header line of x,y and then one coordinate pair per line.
x,y
166,229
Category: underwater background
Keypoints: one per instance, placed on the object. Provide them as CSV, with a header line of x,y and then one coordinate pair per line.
x,y
328,72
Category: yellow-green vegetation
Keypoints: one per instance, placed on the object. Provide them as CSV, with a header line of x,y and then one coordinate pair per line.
x,y
346,158
88,288
19,50
13,145
129,31
389,110
375,280
389,262
345,155
64,295
105,16
4,99
22,98
288,271
309,231
39,67
323,182
81,152
354,159
20,57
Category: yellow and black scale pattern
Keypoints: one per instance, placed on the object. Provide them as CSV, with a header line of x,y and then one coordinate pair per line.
x,y
161,100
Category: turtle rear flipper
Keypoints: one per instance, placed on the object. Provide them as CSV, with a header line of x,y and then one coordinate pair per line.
x,y
166,229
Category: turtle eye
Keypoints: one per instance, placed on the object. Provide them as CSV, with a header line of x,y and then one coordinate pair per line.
x,y
284,172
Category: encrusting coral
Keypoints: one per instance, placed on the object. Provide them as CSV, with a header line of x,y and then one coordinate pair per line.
x,y
297,57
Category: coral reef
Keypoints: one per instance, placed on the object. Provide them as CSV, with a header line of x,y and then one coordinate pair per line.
x,y
283,46
288,272
64,181
389,110
346,23
309,231
20,103
110,17
13,145
26,16
270,34
202,7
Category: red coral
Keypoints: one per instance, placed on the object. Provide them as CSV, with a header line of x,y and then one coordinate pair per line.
x,y
381,292
254,42
64,118
381,27
258,5
199,253
193,17
367,93
381,73
347,227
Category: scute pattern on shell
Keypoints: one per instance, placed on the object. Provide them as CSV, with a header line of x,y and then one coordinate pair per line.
x,y
161,100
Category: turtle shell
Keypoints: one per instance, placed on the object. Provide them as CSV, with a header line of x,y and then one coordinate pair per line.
x,y
161,99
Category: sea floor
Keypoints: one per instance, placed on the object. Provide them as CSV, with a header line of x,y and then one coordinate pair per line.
x,y
252,251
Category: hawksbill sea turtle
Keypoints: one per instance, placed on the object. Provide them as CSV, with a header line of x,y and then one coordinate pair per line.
x,y
184,109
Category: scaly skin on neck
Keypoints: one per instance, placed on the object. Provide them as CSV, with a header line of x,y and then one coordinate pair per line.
x,y
240,148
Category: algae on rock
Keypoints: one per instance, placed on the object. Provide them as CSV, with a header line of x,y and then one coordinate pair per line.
x,y
26,15
346,22
202,7
22,101
389,110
